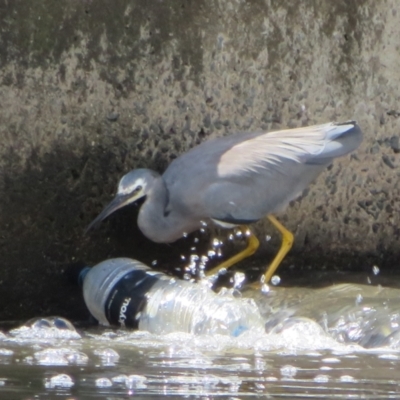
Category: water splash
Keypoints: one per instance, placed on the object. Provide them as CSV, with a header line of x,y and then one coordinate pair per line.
x,y
375,270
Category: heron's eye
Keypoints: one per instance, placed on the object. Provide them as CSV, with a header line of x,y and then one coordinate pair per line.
x,y
137,189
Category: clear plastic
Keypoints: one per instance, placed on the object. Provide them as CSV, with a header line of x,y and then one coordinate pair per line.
x,y
172,305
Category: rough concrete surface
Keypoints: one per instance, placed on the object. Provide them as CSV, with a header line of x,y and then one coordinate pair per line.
x,y
91,89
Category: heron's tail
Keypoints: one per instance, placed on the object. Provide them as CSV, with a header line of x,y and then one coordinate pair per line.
x,y
341,139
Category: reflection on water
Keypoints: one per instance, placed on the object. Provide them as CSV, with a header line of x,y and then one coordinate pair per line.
x,y
334,342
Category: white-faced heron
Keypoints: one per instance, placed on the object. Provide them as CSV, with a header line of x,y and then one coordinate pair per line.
x,y
233,180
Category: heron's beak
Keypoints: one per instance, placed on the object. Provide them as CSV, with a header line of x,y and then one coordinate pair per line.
x,y
119,201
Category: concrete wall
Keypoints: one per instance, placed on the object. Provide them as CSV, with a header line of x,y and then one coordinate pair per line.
x,y
90,89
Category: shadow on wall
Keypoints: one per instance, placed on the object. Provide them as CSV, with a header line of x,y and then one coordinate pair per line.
x,y
45,211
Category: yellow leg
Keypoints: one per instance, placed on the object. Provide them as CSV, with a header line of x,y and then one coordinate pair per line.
x,y
287,242
252,246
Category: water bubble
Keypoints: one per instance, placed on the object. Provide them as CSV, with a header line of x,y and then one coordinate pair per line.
x,y
187,277
239,233
60,356
203,224
216,243
202,230
183,258
219,253
193,249
50,322
276,280
264,288
203,263
368,280
103,383
347,379
154,262
46,328
222,271
184,234
109,356
204,259
191,267
288,371
268,238
196,240
238,279
59,381
321,378
211,253
135,381
375,270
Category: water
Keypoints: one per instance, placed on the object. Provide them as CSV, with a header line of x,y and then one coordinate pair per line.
x,y
341,341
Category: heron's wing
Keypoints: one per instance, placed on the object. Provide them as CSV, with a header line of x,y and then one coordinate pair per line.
x,y
317,144
262,174
245,176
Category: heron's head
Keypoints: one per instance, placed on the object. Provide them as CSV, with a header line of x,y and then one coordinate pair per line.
x,y
132,187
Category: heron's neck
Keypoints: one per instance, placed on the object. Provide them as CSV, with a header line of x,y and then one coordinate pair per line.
x,y
153,220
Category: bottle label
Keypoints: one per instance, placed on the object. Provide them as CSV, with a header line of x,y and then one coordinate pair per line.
x,y
128,298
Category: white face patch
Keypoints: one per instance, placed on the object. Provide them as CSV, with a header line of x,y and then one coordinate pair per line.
x,y
126,187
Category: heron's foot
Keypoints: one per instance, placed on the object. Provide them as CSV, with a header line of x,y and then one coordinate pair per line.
x,y
286,245
252,246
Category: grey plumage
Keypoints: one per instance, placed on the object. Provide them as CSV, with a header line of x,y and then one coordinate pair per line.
x,y
232,180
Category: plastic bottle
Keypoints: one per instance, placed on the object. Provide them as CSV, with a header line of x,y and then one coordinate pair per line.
x,y
125,292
